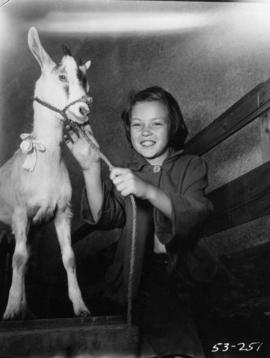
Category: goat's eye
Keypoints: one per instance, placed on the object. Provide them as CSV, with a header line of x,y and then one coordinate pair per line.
x,y
62,78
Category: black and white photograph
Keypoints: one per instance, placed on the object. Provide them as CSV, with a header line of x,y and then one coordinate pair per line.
x,y
134,179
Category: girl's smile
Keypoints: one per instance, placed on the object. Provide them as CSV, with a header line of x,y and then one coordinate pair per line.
x,y
147,143
149,131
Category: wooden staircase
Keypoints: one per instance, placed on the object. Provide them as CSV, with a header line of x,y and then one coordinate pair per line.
x,y
104,336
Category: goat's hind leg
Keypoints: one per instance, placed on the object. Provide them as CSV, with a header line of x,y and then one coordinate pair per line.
x,y
17,306
62,225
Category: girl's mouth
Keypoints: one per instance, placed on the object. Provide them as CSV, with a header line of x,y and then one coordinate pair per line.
x,y
147,143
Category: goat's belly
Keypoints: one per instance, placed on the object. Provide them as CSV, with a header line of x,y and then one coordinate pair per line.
x,y
50,191
46,195
42,205
52,184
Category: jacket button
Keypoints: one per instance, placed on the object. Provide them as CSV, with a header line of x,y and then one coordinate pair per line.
x,y
156,168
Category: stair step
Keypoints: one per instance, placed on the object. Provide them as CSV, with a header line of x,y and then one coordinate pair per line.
x,y
108,336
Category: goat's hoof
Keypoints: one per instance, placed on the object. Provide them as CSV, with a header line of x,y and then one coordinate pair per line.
x,y
12,315
23,313
13,311
84,313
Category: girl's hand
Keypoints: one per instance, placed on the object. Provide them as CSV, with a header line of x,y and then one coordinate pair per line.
x,y
127,183
83,151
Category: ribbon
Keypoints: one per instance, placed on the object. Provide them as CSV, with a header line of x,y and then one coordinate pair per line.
x,y
30,147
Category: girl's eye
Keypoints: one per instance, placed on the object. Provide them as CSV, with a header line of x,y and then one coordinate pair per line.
x,y
62,78
157,124
135,124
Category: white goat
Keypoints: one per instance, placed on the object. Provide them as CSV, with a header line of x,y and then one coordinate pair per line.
x,y
34,183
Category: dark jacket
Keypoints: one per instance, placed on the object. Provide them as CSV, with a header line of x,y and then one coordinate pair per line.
x,y
184,179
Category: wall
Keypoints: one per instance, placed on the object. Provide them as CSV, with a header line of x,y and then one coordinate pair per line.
x,y
208,65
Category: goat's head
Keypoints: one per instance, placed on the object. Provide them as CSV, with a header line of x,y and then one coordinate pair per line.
x,y
62,86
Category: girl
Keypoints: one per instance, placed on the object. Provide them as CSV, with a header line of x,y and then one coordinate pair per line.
x,y
171,208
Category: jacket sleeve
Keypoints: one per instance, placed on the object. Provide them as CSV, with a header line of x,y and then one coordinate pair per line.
x,y
112,213
190,207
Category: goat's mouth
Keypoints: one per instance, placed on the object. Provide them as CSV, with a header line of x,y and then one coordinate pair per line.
x,y
78,119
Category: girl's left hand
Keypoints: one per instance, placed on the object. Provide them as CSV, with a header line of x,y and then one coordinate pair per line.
x,y
127,183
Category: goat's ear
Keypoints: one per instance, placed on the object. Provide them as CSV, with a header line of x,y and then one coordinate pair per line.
x,y
87,65
37,49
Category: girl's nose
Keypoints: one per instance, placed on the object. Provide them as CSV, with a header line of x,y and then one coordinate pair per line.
x,y
146,130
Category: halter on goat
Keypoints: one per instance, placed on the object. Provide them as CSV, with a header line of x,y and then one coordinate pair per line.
x,y
38,189
84,99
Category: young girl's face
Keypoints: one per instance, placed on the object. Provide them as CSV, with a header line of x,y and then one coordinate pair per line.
x,y
149,131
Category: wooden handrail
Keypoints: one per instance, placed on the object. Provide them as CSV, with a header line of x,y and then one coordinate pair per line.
x,y
240,201
244,111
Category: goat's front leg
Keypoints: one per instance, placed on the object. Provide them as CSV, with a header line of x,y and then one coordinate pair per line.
x,y
62,225
17,305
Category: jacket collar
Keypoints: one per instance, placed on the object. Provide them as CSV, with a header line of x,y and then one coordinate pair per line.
x,y
138,162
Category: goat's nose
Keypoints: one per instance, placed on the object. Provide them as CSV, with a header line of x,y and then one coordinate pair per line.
x,y
84,110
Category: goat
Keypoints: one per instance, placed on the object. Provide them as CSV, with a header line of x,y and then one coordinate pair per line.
x,y
34,182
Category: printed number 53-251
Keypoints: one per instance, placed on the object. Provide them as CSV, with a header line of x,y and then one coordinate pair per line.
x,y
241,346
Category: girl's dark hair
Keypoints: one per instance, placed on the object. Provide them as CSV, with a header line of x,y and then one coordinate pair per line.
x,y
178,130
